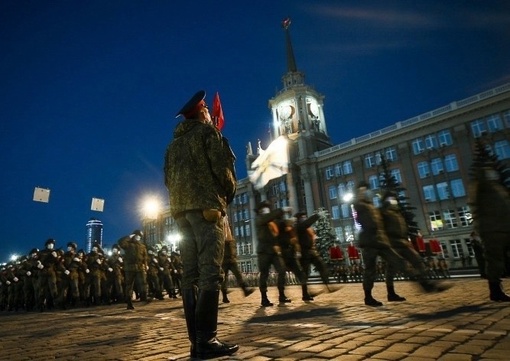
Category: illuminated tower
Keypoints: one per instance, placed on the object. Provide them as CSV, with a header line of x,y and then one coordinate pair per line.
x,y
94,233
298,114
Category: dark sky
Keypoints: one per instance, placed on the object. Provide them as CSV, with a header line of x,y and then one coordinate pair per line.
x,y
89,89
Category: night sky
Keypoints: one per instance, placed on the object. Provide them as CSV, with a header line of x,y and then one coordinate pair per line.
x,y
89,89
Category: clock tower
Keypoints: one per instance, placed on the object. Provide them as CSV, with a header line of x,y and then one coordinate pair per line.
x,y
298,114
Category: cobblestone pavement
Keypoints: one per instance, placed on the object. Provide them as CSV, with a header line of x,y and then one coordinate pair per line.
x,y
459,324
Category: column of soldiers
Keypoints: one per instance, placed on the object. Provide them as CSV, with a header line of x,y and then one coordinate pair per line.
x,y
53,278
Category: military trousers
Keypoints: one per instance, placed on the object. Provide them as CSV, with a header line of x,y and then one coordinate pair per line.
x,y
202,249
265,260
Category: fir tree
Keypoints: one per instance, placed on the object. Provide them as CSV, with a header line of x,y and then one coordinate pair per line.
x,y
325,236
389,183
484,157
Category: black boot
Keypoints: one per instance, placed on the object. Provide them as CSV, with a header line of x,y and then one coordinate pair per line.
x,y
282,298
206,321
265,301
370,301
392,296
306,295
189,302
247,291
225,297
496,292
430,287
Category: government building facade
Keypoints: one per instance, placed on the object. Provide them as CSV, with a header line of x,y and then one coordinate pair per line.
x,y
429,154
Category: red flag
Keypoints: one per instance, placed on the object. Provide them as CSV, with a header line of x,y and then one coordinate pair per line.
x,y
217,112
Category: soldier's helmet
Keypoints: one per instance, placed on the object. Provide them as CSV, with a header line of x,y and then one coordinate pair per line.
x,y
50,241
72,245
116,246
34,251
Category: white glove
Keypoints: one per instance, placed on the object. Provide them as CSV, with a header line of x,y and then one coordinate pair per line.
x,y
40,266
120,260
8,283
110,269
161,268
98,261
87,271
76,259
29,273
15,279
67,272
54,254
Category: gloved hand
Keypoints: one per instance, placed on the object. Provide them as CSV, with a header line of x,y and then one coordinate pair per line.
x,y
87,271
110,269
29,273
54,254
67,272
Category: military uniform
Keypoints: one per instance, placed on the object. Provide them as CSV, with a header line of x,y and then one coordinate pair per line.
x,y
115,275
268,251
47,277
166,271
491,209
136,261
201,181
230,264
396,228
309,254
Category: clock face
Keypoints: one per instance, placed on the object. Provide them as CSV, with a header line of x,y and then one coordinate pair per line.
x,y
313,108
285,111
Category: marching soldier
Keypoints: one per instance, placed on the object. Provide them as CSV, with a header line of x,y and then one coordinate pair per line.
x,y
268,251
167,269
72,265
230,264
47,277
136,261
309,254
115,275
153,275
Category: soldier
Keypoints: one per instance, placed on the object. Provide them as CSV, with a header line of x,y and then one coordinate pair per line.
x,y
136,261
491,203
47,277
176,260
115,275
72,265
96,275
268,251
201,181
230,264
166,271
374,242
309,254
288,245
396,228
153,275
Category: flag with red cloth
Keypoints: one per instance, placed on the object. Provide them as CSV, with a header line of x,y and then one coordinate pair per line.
x,y
352,252
435,246
217,112
336,253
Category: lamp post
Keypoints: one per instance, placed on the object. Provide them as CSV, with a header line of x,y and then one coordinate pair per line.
x,y
151,207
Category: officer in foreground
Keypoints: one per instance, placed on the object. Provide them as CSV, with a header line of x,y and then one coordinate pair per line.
x,y
201,181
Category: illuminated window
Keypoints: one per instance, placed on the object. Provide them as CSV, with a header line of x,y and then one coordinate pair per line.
x,y
429,193
430,141
436,165
396,174
436,223
464,216
494,123
335,212
332,192
329,172
369,161
450,219
442,191
391,154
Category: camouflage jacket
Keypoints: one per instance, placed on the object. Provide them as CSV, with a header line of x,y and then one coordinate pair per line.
x,y
395,227
199,168
372,234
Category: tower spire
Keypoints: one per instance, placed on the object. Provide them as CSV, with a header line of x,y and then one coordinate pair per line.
x,y
291,60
